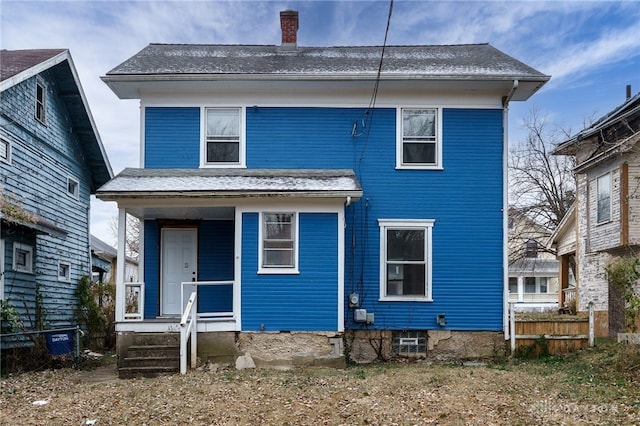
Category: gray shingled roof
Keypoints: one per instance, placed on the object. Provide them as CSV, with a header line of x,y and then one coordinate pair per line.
x,y
477,61
230,183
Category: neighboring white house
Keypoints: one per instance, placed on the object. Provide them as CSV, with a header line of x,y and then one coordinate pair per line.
x,y
606,221
533,271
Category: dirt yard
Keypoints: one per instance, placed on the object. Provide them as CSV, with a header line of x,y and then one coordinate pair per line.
x,y
598,386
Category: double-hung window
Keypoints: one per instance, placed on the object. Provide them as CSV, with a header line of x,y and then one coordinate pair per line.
x,y
604,198
405,260
419,145
223,137
278,239
5,150
40,106
22,258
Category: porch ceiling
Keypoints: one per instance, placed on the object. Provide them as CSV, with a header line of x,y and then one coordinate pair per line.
x,y
182,212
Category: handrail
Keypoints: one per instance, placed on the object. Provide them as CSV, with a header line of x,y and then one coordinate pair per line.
x,y
189,286
189,317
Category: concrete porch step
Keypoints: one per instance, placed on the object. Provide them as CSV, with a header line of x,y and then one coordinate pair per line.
x,y
151,371
152,361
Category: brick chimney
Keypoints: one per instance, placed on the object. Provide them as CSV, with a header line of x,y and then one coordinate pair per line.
x,y
289,26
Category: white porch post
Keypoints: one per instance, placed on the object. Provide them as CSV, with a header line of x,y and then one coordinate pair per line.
x,y
520,288
120,268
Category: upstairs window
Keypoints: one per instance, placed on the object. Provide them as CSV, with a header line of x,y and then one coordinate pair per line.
x,y
5,150
604,198
531,248
405,260
41,93
418,145
22,258
73,188
223,141
279,241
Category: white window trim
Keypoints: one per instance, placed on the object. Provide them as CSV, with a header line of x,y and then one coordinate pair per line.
x,y
67,278
427,226
203,144
610,218
76,195
27,248
6,141
296,245
399,141
43,119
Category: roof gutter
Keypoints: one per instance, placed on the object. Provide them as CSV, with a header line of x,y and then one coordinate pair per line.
x,y
115,195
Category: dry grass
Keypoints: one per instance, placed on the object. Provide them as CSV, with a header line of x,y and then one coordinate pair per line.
x,y
595,387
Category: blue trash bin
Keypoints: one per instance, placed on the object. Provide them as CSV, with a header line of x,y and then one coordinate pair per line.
x,y
59,343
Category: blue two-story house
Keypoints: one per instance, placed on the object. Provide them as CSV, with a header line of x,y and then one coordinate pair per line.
x,y
51,161
311,198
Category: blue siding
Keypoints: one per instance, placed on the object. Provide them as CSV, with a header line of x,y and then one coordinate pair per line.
x,y
465,199
304,302
215,263
172,137
43,156
151,269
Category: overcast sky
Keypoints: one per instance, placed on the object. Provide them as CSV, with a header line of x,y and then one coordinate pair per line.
x,y
591,49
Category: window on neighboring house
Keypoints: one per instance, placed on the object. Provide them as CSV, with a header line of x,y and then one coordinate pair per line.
x,y
419,145
513,285
223,140
64,271
5,150
410,343
405,259
531,248
529,284
536,285
73,188
22,258
279,241
41,92
604,198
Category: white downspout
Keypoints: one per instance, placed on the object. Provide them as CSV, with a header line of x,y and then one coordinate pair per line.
x,y
505,209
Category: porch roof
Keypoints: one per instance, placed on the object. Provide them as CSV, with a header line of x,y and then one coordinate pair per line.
x,y
230,183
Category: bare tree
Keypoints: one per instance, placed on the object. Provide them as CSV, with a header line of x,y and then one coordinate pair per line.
x,y
132,237
541,185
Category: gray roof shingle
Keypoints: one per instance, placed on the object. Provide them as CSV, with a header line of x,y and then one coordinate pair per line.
x,y
478,61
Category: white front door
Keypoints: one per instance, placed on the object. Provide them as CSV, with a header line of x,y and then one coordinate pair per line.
x,y
179,263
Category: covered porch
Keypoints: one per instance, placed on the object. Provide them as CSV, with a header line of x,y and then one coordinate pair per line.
x,y
191,239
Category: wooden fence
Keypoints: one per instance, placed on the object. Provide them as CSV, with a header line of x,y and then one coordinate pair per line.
x,y
564,334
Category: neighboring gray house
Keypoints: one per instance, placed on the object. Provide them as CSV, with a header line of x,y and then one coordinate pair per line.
x,y
51,161
607,211
104,259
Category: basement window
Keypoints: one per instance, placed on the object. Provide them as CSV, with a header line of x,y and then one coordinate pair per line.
x,y
409,343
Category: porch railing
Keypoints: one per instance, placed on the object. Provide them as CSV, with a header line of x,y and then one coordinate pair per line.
x,y
189,330
569,295
189,287
133,301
